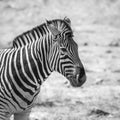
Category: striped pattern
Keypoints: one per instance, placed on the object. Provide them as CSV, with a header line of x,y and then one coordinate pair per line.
x,y
30,36
21,73
40,32
35,54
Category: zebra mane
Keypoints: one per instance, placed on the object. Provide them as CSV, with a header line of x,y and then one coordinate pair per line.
x,y
37,32
20,40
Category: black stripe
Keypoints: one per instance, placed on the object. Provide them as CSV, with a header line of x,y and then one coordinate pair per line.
x,y
16,78
44,60
41,32
44,30
40,68
33,34
17,92
19,41
37,32
33,65
12,86
25,64
27,38
19,67
23,39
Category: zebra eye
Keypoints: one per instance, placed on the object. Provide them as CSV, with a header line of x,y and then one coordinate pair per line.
x,y
57,37
63,49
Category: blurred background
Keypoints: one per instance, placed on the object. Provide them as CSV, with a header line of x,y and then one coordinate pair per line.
x,y
96,26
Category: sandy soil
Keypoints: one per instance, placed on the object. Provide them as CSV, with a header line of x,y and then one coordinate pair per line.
x,y
96,25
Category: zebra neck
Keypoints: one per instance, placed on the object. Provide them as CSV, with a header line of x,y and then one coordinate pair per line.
x,y
42,59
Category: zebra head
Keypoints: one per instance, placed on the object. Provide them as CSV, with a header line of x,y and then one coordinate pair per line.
x,y
63,55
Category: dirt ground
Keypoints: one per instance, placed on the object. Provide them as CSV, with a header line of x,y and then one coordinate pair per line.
x,y
96,25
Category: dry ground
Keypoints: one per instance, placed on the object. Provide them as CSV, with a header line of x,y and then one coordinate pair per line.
x,y
96,25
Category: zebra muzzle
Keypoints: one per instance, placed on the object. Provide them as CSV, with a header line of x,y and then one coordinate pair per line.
x,y
78,78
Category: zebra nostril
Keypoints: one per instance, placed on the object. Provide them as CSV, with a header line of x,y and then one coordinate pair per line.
x,y
79,73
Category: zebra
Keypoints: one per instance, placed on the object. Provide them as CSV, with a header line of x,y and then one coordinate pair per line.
x,y
24,67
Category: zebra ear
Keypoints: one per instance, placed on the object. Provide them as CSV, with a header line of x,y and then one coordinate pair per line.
x,y
67,20
53,29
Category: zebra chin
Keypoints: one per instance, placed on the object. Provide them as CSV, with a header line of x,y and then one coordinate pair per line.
x,y
77,81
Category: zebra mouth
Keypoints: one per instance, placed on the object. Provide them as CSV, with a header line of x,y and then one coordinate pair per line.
x,y
75,80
